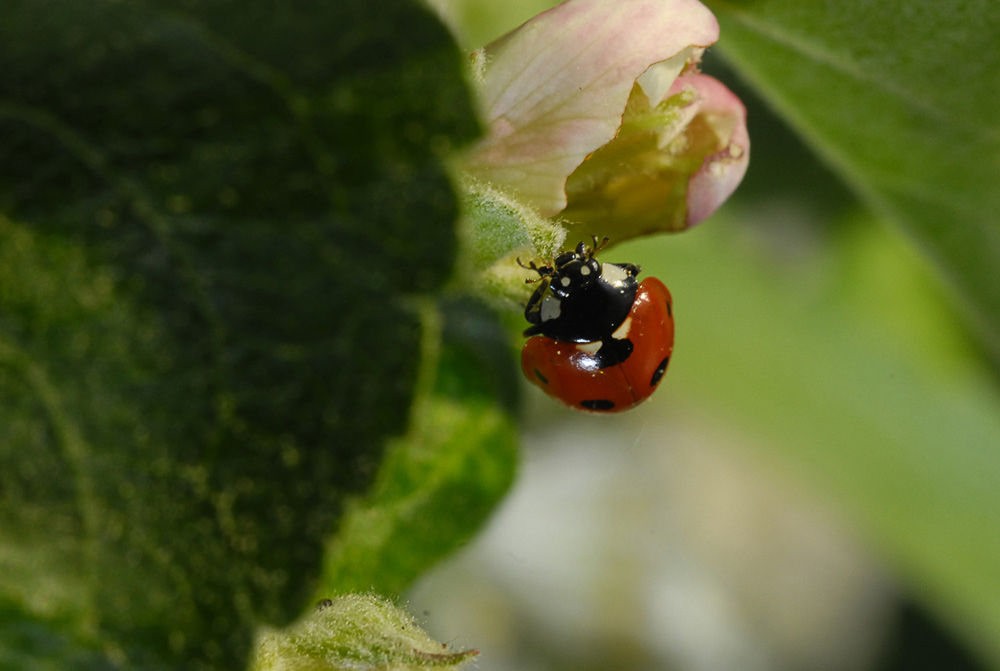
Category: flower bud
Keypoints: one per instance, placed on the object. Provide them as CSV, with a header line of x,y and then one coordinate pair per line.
x,y
596,114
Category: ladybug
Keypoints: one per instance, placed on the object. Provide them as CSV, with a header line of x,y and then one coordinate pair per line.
x,y
598,340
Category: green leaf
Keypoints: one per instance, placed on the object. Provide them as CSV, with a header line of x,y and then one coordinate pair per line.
x,y
352,632
898,97
438,483
213,218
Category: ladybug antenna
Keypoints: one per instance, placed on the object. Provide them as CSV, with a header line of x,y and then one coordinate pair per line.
x,y
598,246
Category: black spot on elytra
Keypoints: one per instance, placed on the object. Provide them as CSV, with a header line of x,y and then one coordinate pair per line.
x,y
541,377
598,404
613,352
658,373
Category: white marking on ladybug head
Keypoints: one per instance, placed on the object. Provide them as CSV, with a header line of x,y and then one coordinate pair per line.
x,y
550,308
622,331
589,347
613,274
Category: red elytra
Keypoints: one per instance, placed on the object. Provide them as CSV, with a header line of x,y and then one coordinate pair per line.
x,y
583,376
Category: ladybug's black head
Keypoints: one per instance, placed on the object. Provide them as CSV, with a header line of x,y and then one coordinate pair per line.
x,y
572,270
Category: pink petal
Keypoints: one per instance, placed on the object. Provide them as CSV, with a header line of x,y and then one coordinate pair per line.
x,y
554,90
722,171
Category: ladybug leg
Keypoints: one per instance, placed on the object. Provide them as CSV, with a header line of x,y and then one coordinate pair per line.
x,y
533,309
630,268
532,304
532,330
543,271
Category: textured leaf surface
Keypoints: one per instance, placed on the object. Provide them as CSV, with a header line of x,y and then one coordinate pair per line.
x,y
355,632
208,213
